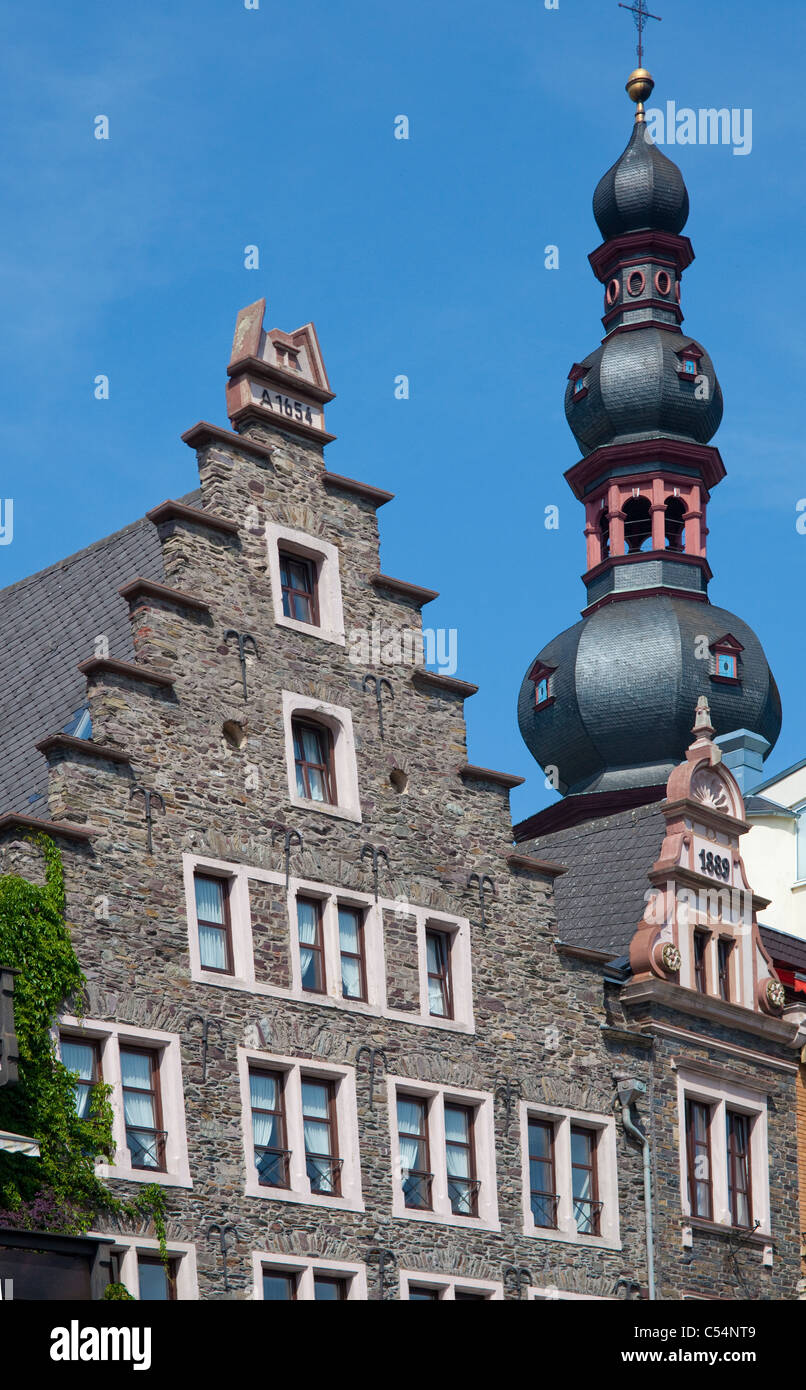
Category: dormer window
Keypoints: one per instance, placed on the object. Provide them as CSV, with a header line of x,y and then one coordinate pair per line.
x,y
543,677
577,376
726,665
726,656
689,360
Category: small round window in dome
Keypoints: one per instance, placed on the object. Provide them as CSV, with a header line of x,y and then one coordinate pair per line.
x,y
636,283
398,779
613,291
234,736
663,281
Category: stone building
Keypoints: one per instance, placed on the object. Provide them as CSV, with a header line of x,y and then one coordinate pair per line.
x,y
369,1045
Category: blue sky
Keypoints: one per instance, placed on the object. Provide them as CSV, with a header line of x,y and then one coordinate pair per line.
x,y
274,126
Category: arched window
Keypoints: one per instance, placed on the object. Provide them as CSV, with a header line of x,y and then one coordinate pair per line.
x,y
674,525
604,534
637,524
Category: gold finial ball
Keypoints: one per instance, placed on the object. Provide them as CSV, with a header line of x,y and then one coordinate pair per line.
x,y
639,85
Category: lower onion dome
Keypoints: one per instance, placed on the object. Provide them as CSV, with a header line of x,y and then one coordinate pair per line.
x,y
623,684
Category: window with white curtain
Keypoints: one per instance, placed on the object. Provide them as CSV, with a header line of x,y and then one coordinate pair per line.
x,y
143,1068
213,918
300,1130
443,1154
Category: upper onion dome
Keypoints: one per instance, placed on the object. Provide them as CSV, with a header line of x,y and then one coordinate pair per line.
x,y
636,390
643,190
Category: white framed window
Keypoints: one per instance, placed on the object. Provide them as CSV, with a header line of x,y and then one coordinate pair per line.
x,y
724,1160
144,1069
320,757
300,1130
419,1286
443,1154
570,1181
337,940
305,583
291,1278
147,1277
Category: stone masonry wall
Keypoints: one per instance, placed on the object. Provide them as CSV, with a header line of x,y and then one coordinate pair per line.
x,y
538,1015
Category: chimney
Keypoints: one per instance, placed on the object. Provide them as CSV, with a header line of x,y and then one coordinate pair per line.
x,y
743,752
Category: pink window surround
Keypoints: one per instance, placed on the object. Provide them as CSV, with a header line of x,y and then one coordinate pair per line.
x,y
658,491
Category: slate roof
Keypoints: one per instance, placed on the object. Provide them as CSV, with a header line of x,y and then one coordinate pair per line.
x,y
786,950
600,900
48,623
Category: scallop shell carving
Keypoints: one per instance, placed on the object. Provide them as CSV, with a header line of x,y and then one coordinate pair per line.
x,y
710,790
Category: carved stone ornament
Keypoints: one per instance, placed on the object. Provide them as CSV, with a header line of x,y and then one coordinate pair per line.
x,y
709,789
776,995
670,957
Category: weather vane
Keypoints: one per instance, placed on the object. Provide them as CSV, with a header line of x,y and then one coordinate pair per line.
x,y
642,14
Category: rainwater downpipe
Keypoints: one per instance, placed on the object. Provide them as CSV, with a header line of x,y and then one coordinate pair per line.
x,y
628,1091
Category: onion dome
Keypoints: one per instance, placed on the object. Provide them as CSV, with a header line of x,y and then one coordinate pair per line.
x,y
620,686
605,707
637,388
643,189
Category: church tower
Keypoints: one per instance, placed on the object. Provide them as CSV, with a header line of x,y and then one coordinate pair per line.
x,y
607,704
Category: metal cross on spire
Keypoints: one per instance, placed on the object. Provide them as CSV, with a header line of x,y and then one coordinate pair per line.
x,y
641,14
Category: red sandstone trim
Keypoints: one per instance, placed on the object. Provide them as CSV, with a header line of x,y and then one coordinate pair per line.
x,y
256,366
659,453
549,867
486,774
65,829
612,252
623,306
177,511
151,590
253,412
373,494
662,589
449,684
204,433
615,561
644,323
584,806
97,665
105,751
402,587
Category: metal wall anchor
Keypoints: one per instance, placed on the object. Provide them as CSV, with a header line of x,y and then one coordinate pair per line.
x,y
222,1232
377,1254
373,1054
289,837
517,1277
242,638
148,797
508,1091
484,883
376,854
379,684
206,1025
